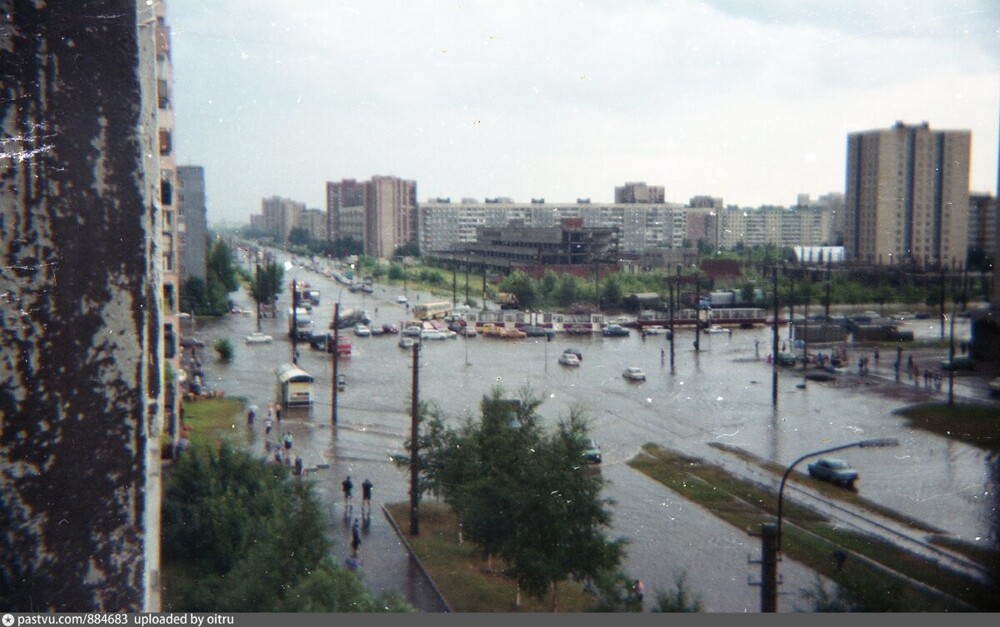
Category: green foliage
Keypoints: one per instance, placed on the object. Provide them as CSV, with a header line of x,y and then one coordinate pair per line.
x,y
523,494
611,293
679,599
411,249
299,236
523,287
396,272
252,539
210,296
224,347
266,283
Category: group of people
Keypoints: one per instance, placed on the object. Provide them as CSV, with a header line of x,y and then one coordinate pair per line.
x,y
347,486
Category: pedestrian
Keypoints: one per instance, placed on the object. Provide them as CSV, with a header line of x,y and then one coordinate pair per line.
x,y
250,417
876,355
366,495
355,538
840,557
640,590
347,486
277,411
662,356
299,466
916,375
288,440
268,425
270,412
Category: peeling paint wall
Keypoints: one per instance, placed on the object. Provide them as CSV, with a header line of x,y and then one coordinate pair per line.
x,y
80,355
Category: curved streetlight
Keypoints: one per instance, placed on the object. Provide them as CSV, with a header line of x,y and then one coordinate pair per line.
x,y
876,443
772,536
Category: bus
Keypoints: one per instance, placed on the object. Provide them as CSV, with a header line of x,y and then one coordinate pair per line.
x,y
431,311
295,386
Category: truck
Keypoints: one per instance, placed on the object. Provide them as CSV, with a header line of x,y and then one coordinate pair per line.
x,y
300,324
350,317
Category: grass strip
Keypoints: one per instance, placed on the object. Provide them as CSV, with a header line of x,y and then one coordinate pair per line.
x,y
881,576
464,577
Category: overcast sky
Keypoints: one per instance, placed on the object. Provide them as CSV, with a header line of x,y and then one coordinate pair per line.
x,y
748,100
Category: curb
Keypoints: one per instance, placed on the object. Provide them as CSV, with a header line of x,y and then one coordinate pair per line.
x,y
409,549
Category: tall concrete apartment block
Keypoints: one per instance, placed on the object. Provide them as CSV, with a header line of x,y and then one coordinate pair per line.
x,y
81,308
193,214
170,222
907,196
381,213
281,215
639,193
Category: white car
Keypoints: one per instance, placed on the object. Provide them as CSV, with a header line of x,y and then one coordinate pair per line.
x,y
259,338
634,374
569,359
401,299
437,334
362,330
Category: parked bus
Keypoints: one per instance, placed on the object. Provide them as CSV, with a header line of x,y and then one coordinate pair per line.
x,y
295,386
431,311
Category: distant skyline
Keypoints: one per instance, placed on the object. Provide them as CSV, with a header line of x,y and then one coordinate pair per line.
x,y
748,100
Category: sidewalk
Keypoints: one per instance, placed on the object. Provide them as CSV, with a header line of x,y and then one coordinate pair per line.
x,y
385,562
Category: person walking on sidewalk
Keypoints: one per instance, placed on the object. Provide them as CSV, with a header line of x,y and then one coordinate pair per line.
x,y
347,486
366,496
355,538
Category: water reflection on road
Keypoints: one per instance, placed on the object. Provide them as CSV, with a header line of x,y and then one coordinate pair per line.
x,y
719,394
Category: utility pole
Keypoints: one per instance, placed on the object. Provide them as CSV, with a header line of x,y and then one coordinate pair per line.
x,y
697,313
951,359
295,323
774,350
336,362
454,285
672,328
414,445
828,282
466,280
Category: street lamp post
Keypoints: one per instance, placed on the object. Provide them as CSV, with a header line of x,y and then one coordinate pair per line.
x,y
335,384
769,589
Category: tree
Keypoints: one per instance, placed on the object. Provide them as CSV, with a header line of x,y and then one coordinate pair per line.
x,y
299,236
611,293
523,287
265,285
524,495
250,539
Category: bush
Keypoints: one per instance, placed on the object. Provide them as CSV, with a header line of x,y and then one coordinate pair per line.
x,y
224,348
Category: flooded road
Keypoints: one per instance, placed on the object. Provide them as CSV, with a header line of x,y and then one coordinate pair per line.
x,y
719,394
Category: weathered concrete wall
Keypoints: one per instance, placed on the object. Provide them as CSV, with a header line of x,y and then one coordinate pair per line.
x,y
80,355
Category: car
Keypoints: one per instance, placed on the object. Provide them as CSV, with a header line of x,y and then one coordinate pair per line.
x,y
390,329
401,299
436,334
633,373
362,330
569,359
575,351
412,331
591,452
836,471
615,330
537,331
959,362
259,338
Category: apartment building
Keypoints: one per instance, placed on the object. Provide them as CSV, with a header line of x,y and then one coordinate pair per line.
x,y
280,216
639,193
193,214
381,213
907,196
443,223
